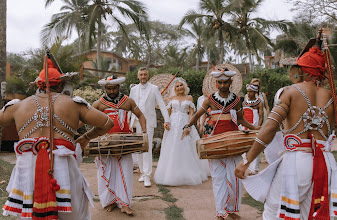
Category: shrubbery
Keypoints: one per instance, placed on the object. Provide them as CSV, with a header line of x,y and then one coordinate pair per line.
x,y
271,80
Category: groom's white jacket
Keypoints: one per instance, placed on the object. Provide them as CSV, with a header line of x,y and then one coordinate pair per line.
x,y
147,104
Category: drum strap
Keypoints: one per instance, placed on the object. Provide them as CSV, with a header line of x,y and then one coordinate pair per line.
x,y
217,121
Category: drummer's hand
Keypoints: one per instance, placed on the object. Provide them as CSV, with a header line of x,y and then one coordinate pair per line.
x,y
240,170
186,132
83,141
201,130
167,125
258,127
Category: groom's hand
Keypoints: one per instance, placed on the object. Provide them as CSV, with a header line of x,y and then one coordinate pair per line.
x,y
167,125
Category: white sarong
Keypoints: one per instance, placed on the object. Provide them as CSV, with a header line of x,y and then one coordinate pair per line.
x,y
286,184
73,196
115,180
227,188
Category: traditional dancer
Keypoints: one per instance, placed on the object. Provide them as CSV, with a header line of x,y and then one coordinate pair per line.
x,y
47,185
253,113
226,187
178,162
302,183
115,174
146,97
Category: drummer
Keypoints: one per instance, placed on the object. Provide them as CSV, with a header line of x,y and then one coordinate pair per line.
x,y
115,174
223,103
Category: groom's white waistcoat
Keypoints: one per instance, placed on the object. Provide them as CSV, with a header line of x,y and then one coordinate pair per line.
x,y
146,97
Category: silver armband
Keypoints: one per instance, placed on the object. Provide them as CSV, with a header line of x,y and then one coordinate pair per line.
x,y
261,142
106,122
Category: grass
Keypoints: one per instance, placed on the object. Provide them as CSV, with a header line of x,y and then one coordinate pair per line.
x,y
248,200
174,213
88,160
167,196
5,174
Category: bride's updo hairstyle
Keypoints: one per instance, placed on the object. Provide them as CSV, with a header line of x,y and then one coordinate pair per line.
x,y
181,80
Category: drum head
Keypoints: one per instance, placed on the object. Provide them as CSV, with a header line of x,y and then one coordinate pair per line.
x,y
209,84
161,80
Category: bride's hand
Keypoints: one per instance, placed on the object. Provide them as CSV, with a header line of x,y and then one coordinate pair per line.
x,y
186,132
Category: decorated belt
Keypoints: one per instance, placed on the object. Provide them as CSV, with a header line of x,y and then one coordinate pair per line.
x,y
35,144
294,143
227,116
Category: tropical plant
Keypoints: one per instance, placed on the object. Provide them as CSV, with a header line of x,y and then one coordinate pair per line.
x,y
198,33
253,30
214,11
73,16
113,11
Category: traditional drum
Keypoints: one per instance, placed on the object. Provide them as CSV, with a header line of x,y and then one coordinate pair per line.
x,y
118,144
226,144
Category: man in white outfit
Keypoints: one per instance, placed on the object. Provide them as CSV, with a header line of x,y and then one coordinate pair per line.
x,y
146,96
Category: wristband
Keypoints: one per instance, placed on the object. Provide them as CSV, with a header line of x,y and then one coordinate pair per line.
x,y
244,158
186,126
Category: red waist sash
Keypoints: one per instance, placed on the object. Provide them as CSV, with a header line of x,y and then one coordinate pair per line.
x,y
319,208
45,186
224,126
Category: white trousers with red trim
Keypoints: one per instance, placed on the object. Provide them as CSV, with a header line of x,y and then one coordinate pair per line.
x,y
227,188
115,180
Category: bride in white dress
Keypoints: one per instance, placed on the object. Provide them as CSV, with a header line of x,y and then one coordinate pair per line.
x,y
179,163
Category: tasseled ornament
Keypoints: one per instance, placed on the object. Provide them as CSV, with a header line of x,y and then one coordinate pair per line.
x,y
45,205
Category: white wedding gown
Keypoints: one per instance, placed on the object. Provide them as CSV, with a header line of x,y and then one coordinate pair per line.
x,y
179,163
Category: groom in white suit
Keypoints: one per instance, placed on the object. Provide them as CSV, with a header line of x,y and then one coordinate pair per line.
x,y
146,96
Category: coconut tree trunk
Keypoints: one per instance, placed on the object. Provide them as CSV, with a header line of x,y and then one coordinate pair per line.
x,y
98,59
3,61
149,53
221,45
249,52
198,61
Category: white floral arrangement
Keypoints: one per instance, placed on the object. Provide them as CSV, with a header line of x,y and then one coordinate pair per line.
x,y
88,93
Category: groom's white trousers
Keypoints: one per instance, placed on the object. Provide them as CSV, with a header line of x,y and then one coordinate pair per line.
x,y
145,159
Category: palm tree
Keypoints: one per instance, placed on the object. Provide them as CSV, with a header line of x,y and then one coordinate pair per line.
x,y
174,57
72,17
113,10
197,32
214,11
253,30
3,62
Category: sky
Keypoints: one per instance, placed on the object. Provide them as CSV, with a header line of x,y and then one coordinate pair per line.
x,y
25,19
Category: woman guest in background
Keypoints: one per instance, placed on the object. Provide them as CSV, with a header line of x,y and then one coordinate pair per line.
x,y
179,163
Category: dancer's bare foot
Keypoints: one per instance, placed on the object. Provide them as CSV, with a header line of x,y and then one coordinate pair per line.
x,y
110,207
127,210
234,216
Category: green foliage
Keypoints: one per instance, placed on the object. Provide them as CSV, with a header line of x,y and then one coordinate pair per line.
x,y
194,78
271,80
16,85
